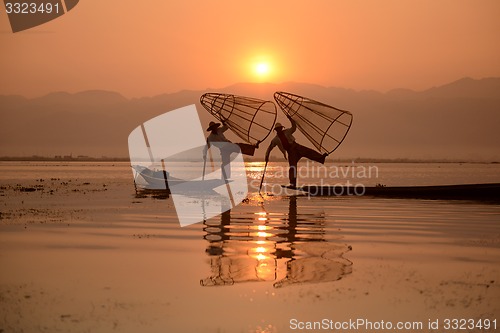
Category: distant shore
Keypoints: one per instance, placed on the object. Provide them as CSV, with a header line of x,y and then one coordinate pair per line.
x,y
36,158
63,159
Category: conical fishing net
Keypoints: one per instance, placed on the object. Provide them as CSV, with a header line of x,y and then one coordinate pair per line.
x,y
324,125
249,118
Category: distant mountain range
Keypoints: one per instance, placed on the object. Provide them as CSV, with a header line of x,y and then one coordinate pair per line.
x,y
460,120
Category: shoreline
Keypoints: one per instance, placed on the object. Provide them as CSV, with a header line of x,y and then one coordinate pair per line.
x,y
250,160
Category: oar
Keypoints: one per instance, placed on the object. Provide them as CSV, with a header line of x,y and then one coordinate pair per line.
x,y
262,179
204,166
205,160
164,174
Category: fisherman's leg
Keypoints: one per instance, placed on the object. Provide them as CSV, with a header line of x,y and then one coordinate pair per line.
x,y
244,148
292,175
293,161
247,149
311,154
226,165
226,149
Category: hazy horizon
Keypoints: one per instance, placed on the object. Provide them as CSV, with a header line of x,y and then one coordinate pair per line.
x,y
236,84
434,124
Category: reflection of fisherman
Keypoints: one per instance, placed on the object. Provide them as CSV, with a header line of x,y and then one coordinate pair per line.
x,y
226,147
286,143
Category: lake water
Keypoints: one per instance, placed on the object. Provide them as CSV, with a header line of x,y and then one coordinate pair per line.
x,y
85,252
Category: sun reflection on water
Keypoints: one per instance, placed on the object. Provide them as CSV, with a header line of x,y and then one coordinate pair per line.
x,y
286,249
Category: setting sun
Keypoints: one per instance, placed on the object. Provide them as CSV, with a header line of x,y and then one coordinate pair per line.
x,y
262,66
262,69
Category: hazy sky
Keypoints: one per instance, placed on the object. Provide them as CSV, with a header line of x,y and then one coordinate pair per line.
x,y
144,48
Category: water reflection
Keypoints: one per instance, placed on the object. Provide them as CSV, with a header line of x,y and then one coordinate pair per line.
x,y
281,248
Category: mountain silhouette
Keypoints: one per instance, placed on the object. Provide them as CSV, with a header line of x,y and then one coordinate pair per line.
x,y
459,120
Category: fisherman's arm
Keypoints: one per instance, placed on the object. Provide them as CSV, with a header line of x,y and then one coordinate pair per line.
x,y
275,142
270,148
223,128
280,146
293,123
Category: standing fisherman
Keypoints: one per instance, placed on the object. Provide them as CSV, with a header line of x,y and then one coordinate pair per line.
x,y
226,147
286,143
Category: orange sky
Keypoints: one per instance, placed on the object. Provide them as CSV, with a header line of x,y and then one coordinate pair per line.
x,y
144,48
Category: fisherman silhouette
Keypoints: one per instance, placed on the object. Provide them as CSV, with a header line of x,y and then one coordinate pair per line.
x,y
225,146
285,141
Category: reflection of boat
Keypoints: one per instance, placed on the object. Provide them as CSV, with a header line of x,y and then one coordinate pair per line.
x,y
155,179
465,192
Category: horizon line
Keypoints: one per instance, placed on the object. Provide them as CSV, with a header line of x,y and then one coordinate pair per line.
x,y
85,158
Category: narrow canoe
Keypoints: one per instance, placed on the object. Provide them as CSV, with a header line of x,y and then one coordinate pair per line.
x,y
484,192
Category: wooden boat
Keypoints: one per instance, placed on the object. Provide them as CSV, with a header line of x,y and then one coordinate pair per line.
x,y
146,178
483,192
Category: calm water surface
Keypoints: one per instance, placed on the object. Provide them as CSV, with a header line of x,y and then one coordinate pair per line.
x,y
254,267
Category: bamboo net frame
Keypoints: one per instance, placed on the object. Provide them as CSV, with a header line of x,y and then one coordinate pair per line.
x,y
251,119
324,125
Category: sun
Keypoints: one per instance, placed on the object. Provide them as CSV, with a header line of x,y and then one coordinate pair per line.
x,y
262,69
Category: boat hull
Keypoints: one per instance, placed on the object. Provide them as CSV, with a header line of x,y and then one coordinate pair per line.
x,y
487,192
